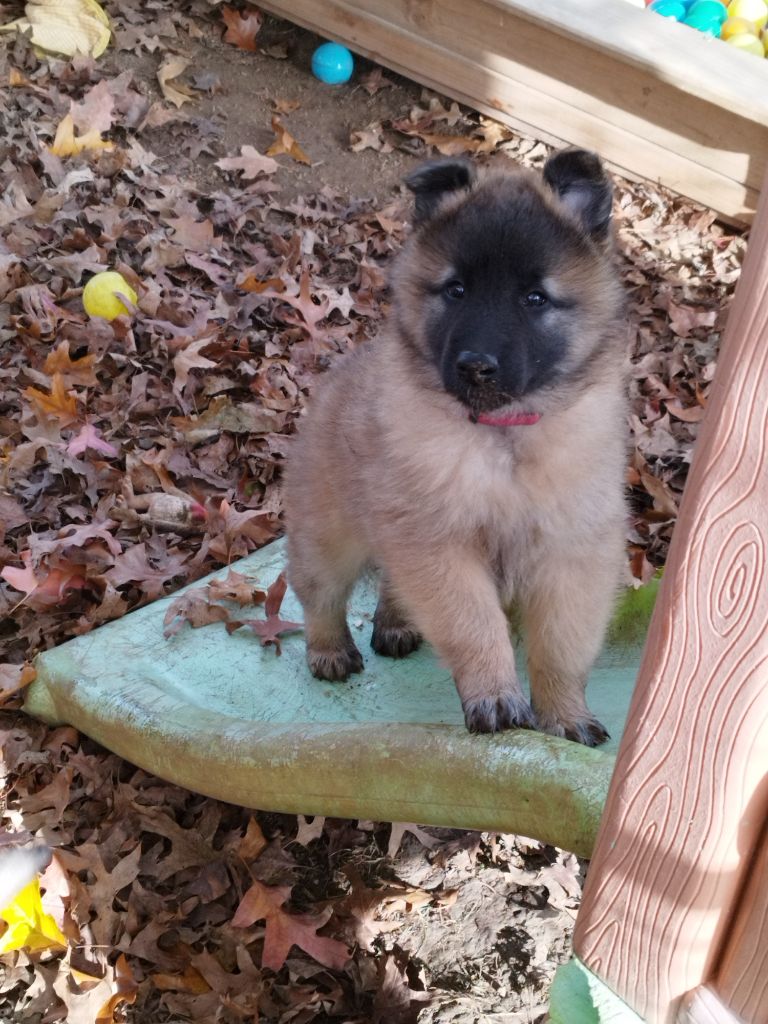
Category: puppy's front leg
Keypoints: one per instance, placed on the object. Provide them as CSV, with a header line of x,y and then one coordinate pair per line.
x,y
565,616
393,635
451,598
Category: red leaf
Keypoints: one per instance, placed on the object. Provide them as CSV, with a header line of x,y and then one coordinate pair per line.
x,y
284,930
275,595
43,587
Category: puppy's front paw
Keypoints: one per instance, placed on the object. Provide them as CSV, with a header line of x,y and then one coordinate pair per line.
x,y
335,665
585,730
394,641
590,732
492,714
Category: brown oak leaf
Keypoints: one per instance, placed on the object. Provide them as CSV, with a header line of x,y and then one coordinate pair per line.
x,y
236,587
284,930
251,163
242,29
134,566
285,143
60,403
194,607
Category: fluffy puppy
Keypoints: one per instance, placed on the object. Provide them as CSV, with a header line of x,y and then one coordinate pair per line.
x,y
475,452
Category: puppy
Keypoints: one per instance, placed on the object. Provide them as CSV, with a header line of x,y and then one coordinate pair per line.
x,y
475,452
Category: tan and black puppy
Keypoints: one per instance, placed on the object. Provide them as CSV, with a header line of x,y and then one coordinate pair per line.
x,y
475,452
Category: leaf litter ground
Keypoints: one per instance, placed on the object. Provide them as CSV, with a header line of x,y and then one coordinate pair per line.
x,y
254,211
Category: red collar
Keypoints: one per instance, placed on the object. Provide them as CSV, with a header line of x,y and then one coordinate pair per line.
x,y
513,419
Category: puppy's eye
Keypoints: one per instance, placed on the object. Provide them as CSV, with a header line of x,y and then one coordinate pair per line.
x,y
454,290
535,299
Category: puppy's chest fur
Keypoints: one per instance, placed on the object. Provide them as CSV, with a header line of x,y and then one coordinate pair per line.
x,y
523,486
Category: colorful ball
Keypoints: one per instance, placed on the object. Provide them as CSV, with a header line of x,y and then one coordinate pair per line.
x,y
668,9
99,298
703,22
753,10
332,63
747,41
709,9
736,27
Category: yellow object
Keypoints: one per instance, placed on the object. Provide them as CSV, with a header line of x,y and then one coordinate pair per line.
x,y
67,143
29,926
99,298
754,11
746,41
737,27
68,27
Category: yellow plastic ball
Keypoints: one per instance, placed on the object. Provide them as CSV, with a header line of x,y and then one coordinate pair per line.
x,y
754,11
99,298
737,27
746,41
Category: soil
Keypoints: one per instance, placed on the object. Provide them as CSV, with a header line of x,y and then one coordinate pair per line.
x,y
242,105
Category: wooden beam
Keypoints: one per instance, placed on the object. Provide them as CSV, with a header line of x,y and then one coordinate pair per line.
x,y
688,798
654,98
741,979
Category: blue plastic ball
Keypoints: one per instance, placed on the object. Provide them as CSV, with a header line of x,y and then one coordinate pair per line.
x,y
708,10
703,22
332,63
668,9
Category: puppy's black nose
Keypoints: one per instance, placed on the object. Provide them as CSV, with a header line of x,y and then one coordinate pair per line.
x,y
476,367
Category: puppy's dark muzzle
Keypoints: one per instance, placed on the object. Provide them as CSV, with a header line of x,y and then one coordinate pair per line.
x,y
477,368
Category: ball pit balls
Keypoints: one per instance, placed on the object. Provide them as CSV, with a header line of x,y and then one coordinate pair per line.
x,y
709,9
669,9
753,10
333,63
737,27
99,298
703,22
746,41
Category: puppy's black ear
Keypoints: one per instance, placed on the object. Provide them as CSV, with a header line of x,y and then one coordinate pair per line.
x,y
579,178
431,182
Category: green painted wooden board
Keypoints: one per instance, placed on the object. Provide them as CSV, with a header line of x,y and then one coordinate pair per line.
x,y
578,996
221,715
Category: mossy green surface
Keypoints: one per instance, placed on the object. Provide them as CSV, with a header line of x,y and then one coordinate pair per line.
x,y
219,714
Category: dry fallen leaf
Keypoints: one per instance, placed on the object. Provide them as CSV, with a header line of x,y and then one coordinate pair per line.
x,y
44,588
238,588
73,371
66,143
68,27
250,163
285,106
270,629
175,92
284,930
242,29
90,438
399,828
285,143
189,358
374,80
13,679
59,403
